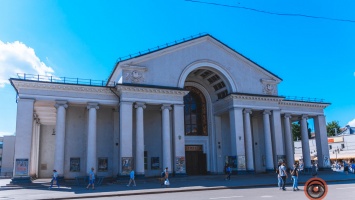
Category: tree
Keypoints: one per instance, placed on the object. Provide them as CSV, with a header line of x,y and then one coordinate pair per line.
x,y
331,127
296,131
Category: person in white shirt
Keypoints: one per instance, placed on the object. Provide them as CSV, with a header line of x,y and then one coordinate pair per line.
x,y
54,178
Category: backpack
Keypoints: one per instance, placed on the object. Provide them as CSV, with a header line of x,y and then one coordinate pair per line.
x,y
162,174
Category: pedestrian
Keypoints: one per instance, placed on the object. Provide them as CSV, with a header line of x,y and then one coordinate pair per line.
x,y
54,178
283,175
314,169
346,167
229,173
165,179
91,179
294,177
279,179
131,178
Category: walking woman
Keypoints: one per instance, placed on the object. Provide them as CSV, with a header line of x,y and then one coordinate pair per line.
x,y
294,177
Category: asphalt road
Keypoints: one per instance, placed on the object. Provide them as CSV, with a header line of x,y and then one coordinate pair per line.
x,y
335,191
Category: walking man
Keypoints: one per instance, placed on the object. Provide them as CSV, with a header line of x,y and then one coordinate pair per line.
x,y
283,175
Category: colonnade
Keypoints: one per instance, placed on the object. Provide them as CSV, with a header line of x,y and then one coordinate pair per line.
x,y
277,138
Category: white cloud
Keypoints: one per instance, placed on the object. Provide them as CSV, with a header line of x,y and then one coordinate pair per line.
x,y
16,58
5,133
352,123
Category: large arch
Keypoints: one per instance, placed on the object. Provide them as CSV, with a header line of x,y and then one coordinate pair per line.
x,y
213,66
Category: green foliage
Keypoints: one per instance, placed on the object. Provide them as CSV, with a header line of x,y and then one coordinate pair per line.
x,y
296,131
331,127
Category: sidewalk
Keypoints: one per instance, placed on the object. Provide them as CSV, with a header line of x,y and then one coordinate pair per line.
x,y
69,190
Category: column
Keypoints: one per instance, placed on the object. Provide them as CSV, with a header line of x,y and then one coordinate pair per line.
x,y
139,138
248,141
116,141
220,159
237,134
179,140
288,141
305,142
35,147
278,141
24,127
91,147
268,142
166,136
126,145
322,142
60,136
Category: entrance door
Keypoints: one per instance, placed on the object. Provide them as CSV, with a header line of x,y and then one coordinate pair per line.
x,y
196,162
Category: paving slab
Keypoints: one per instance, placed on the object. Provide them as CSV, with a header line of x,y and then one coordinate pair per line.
x,y
70,190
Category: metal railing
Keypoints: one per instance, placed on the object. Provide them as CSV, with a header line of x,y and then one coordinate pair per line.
x,y
65,80
304,99
160,47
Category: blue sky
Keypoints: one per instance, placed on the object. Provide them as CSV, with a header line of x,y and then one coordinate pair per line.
x,y
84,38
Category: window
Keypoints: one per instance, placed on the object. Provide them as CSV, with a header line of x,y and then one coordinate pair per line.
x,y
342,146
195,112
330,147
145,160
1,143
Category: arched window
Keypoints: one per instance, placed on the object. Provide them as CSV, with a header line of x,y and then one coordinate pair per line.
x,y
195,112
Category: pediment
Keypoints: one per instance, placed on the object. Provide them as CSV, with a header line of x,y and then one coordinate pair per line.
x,y
132,67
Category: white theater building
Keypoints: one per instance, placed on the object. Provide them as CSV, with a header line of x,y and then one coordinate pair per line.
x,y
191,106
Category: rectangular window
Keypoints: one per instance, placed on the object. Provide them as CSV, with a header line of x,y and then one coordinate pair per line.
x,y
342,146
146,160
330,146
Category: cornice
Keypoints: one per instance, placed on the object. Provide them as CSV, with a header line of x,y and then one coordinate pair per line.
x,y
60,87
304,104
255,98
122,89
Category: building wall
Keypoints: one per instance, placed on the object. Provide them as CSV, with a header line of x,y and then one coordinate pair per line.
x,y
258,142
8,153
46,151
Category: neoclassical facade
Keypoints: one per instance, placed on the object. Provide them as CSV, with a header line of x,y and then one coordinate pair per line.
x,y
192,107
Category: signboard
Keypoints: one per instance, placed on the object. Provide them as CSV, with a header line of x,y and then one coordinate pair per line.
x,y
75,164
180,164
193,148
102,164
21,167
154,163
127,165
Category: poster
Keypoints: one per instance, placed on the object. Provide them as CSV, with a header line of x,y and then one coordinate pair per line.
x,y
75,164
21,168
241,163
154,164
102,164
127,165
180,165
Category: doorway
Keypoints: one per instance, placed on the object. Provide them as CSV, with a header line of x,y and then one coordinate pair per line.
x,y
196,162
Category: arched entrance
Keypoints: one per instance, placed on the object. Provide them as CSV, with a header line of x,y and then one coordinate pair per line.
x,y
206,85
